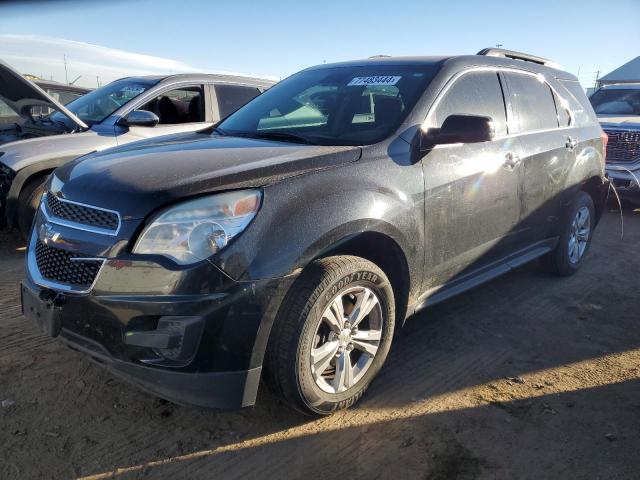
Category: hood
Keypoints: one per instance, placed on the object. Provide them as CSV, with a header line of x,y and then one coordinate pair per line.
x,y
20,154
624,121
20,95
141,177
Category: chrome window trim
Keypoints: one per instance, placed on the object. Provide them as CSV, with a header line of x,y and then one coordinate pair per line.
x,y
34,271
166,85
425,126
79,226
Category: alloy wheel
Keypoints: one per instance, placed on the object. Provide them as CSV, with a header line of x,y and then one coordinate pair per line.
x,y
579,234
346,339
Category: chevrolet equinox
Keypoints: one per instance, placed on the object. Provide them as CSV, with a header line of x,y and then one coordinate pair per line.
x,y
287,242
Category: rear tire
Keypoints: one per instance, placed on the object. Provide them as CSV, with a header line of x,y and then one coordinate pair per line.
x,y
317,361
575,239
28,203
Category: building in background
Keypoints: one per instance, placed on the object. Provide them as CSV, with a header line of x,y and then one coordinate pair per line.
x,y
627,73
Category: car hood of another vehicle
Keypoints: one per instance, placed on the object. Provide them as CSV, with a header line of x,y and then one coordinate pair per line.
x,y
621,121
143,176
19,94
20,154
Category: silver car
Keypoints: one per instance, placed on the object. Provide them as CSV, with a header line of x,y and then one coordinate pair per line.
x,y
618,110
123,111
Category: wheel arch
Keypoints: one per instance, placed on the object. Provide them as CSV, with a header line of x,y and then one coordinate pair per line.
x,y
24,177
597,188
384,251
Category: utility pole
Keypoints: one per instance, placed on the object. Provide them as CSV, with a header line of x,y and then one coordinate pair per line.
x,y
66,74
498,45
595,85
98,80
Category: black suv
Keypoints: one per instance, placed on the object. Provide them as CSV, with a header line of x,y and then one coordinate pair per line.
x,y
290,240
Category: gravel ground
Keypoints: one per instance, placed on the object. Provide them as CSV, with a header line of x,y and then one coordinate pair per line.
x,y
529,376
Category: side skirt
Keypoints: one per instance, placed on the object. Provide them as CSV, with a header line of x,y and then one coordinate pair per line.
x,y
477,277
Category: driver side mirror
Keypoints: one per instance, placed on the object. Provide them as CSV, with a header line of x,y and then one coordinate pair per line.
x,y
458,129
139,118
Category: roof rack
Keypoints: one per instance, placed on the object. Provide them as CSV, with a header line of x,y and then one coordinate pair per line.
x,y
503,53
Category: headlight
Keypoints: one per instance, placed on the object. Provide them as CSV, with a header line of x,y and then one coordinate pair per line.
x,y
197,229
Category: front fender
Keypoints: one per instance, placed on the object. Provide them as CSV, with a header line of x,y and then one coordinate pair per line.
x,y
305,216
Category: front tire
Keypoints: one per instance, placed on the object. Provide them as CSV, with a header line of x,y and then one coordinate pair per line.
x,y
331,335
575,239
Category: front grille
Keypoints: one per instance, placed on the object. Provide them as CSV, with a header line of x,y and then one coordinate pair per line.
x,y
57,265
81,214
623,146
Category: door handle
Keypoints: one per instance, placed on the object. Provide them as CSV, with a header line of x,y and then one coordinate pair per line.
x,y
571,144
511,160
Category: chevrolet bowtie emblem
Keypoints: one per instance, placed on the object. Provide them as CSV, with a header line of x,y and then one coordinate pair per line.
x,y
47,234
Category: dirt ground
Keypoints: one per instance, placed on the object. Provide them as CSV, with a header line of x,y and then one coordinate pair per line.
x,y
529,376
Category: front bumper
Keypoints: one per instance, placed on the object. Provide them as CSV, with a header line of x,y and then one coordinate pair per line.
x,y
625,178
191,335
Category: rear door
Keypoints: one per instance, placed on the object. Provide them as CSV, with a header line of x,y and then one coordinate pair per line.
x,y
471,189
541,123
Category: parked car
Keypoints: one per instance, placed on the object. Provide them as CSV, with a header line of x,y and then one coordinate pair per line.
x,y
294,237
618,109
123,111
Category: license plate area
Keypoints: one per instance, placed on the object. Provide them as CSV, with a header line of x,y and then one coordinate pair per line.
x,y
45,312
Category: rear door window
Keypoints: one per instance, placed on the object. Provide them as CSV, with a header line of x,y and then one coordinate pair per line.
x,y
232,97
475,93
533,103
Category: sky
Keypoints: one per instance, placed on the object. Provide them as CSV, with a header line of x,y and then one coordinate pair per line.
x,y
104,40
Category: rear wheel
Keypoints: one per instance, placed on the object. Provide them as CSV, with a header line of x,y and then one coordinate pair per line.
x,y
575,238
332,334
28,202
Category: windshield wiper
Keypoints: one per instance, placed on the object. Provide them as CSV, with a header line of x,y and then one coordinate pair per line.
x,y
284,136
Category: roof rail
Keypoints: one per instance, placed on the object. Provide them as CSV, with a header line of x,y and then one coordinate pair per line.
x,y
503,53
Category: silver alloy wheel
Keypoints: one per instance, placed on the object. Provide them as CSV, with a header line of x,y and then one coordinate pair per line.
x,y
346,339
579,234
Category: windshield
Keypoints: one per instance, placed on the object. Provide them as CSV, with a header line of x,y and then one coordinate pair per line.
x,y
616,102
356,105
97,105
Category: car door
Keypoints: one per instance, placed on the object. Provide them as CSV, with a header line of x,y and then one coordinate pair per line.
x,y
471,190
541,123
180,109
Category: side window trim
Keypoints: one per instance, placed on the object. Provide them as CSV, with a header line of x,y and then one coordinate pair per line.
x,y
508,104
558,103
455,79
152,93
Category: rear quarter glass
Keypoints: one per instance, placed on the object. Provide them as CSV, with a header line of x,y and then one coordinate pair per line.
x,y
579,103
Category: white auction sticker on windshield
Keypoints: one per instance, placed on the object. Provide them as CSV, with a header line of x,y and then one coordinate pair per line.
x,y
378,80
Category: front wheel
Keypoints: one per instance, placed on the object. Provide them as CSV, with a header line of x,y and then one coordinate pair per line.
x,y
575,237
332,334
